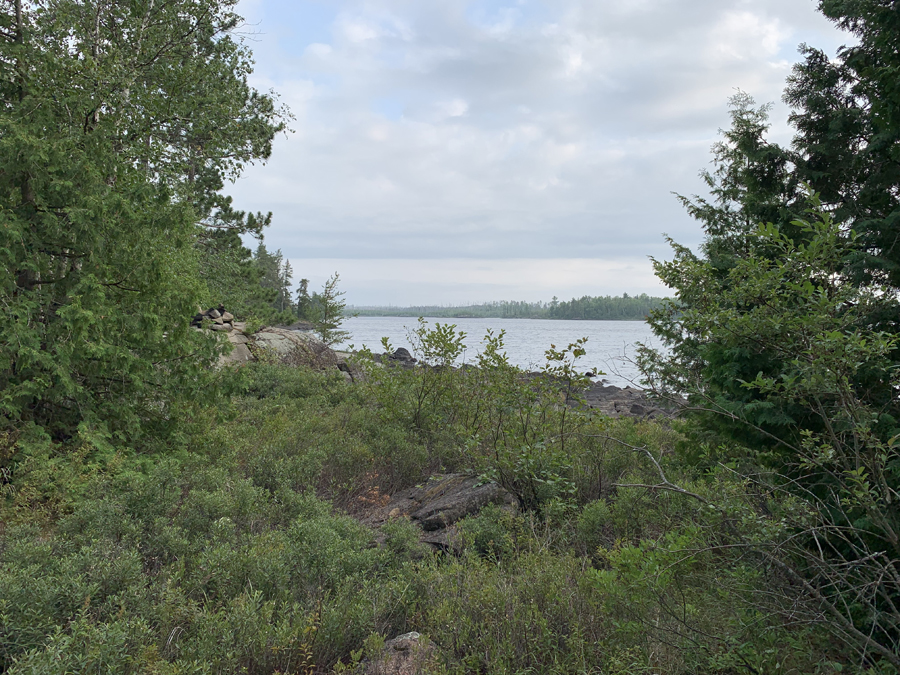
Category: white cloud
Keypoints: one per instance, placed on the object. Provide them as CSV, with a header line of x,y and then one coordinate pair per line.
x,y
453,108
319,50
459,129
742,36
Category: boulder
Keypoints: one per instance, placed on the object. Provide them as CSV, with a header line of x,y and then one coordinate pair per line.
x,y
439,503
289,347
407,654
345,363
295,348
402,354
240,353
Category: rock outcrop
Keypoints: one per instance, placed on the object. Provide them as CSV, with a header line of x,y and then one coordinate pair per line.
x,y
290,347
440,503
295,348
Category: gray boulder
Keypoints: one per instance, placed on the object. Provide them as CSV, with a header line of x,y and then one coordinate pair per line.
x,y
295,348
402,354
286,346
407,654
440,503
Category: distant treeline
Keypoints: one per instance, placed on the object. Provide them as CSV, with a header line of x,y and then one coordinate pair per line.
x,y
622,308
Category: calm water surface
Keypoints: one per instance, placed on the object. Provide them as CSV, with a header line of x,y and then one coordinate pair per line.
x,y
610,344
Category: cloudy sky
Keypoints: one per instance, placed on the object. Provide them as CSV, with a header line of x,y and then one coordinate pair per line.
x,y
454,151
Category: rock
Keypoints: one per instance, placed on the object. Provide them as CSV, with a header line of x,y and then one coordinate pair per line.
x,y
402,354
289,347
295,348
616,402
442,501
239,354
407,654
227,317
454,499
354,373
440,540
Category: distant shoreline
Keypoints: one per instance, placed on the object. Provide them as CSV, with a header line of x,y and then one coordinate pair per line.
x,y
356,312
587,308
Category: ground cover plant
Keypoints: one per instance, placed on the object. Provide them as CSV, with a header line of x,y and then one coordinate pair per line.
x,y
235,552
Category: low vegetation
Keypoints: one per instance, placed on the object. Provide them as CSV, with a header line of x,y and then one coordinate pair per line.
x,y
235,550
161,515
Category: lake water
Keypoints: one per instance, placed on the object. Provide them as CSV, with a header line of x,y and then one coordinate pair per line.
x,y
610,345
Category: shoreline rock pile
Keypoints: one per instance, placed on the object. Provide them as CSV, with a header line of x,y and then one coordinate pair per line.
x,y
627,402
217,316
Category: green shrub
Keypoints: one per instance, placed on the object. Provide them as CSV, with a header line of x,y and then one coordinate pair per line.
x,y
401,541
274,380
537,614
225,557
492,534
593,528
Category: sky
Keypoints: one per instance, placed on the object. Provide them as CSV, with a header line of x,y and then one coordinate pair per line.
x,y
455,151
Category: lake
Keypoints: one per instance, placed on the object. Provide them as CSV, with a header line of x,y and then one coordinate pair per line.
x,y
610,345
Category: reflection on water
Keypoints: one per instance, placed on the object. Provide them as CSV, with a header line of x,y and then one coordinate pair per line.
x,y
610,345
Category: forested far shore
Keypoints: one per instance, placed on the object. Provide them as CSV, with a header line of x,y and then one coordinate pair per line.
x,y
597,308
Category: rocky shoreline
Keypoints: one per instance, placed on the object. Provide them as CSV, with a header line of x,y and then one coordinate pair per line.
x,y
301,348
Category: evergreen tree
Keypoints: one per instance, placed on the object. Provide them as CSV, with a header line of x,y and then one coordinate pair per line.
x,y
231,275
303,300
328,312
845,112
284,287
847,115
785,332
119,123
275,276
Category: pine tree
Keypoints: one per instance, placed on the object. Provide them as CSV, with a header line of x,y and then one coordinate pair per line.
x,y
303,300
119,124
328,312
